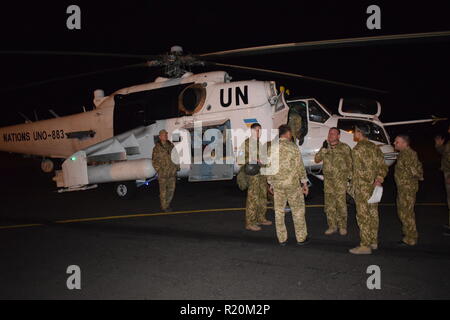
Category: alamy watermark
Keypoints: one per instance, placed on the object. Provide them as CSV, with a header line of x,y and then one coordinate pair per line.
x,y
213,146
374,20
73,22
374,280
74,280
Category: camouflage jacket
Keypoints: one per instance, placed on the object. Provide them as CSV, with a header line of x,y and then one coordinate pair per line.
x,y
408,169
445,161
162,159
295,123
290,166
337,161
368,165
257,152
253,155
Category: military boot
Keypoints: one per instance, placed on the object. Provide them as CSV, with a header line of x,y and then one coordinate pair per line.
x,y
253,228
266,223
410,242
361,250
330,231
342,231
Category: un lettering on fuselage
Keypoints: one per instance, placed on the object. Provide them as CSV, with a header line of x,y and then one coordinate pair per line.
x,y
239,95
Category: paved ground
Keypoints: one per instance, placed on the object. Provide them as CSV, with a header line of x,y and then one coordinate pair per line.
x,y
206,254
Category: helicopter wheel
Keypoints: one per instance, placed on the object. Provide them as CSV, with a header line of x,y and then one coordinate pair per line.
x,y
125,190
47,165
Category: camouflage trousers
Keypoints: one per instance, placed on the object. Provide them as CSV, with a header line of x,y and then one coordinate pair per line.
x,y
296,200
166,190
406,199
367,219
336,203
256,205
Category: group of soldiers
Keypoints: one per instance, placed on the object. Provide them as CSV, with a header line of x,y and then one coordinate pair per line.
x,y
354,171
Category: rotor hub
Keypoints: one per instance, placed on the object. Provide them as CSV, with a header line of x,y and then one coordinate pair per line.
x,y
176,50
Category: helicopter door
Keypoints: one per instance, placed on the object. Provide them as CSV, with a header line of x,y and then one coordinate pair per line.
x,y
357,107
208,170
317,131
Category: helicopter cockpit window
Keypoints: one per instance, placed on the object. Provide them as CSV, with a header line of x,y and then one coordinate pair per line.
x,y
376,133
316,113
361,106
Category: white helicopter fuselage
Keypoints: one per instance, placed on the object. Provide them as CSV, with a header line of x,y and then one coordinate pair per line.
x,y
114,142
60,137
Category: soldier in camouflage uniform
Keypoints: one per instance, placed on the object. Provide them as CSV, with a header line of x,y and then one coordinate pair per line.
x,y
408,172
444,150
256,203
166,169
369,170
295,123
286,186
337,171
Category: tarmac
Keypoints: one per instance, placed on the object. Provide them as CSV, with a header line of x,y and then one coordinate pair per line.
x,y
129,249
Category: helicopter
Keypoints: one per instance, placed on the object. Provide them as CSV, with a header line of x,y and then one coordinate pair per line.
x,y
113,142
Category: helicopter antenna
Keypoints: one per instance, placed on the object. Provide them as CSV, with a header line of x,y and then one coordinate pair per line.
x,y
27,120
53,113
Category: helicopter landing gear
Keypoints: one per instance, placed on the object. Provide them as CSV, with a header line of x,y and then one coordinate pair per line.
x,y
47,165
125,190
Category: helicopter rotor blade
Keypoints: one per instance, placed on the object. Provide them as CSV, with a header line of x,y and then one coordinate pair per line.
x,y
70,77
296,76
328,44
77,53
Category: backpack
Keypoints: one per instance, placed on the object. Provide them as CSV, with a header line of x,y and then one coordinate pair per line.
x,y
242,179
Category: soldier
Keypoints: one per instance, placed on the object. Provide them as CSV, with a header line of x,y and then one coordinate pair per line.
x,y
295,124
166,169
444,150
337,170
408,171
369,170
256,203
289,185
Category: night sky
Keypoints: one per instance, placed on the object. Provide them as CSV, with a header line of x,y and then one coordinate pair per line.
x,y
416,75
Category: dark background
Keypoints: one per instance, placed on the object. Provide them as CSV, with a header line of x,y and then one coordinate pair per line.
x,y
415,75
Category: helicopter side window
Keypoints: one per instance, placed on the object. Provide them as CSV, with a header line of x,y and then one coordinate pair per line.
x,y
376,133
144,107
316,113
